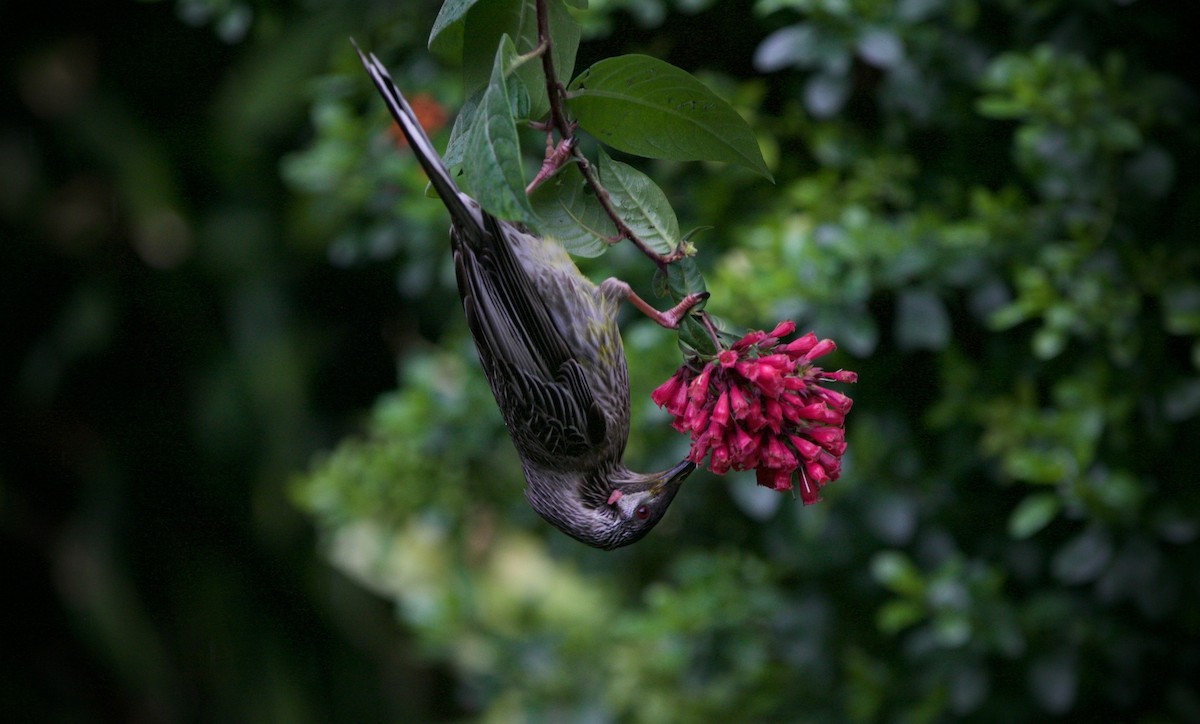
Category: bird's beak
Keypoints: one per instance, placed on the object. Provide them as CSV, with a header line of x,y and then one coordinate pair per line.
x,y
671,479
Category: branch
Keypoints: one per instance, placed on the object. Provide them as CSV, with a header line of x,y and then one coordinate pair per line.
x,y
554,89
556,94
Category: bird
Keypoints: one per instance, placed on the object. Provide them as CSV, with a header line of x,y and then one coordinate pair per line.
x,y
550,347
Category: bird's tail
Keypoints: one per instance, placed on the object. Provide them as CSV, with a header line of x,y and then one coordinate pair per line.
x,y
418,140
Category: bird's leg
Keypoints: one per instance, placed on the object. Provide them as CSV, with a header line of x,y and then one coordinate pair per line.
x,y
669,319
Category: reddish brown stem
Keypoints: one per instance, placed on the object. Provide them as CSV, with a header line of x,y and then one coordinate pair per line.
x,y
711,328
556,94
554,89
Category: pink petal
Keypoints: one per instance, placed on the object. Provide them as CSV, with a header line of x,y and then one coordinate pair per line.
x,y
777,455
719,461
666,391
676,404
839,376
816,473
720,411
753,418
831,438
780,362
800,346
807,448
743,442
698,389
808,491
821,349
819,412
737,401
768,377
774,413
774,479
832,465
790,410
751,338
792,383
782,329
699,448
836,400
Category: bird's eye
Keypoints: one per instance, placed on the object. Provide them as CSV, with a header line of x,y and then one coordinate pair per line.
x,y
642,512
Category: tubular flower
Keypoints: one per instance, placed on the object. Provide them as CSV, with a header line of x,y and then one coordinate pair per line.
x,y
759,405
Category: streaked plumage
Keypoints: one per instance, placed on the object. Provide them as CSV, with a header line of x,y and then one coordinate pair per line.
x,y
550,347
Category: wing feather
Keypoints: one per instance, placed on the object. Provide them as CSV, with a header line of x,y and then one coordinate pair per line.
x,y
540,387
547,401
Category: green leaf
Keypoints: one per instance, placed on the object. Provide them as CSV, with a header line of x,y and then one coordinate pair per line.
x,y
693,334
894,616
640,203
1033,514
456,147
568,211
659,282
684,278
492,159
645,106
1045,467
446,37
488,20
895,571
1000,107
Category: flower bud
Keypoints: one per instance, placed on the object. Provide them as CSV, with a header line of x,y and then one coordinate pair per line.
x,y
782,329
720,411
808,490
806,448
821,349
800,346
748,341
719,460
759,405
778,455
774,478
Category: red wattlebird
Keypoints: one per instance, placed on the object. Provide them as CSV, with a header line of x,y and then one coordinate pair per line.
x,y
548,341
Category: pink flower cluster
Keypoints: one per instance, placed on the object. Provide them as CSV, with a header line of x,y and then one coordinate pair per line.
x,y
758,405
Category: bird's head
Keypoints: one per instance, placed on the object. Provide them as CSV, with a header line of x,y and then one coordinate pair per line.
x,y
612,509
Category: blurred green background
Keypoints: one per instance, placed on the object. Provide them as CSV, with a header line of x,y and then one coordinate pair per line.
x,y
249,470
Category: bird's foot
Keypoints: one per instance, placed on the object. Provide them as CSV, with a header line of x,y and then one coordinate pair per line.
x,y
669,319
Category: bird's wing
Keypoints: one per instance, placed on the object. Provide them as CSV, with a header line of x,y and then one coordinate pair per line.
x,y
539,385
541,388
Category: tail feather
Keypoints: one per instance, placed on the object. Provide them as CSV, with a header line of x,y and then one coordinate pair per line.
x,y
462,214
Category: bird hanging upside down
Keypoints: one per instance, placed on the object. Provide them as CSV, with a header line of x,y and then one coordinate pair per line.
x,y
550,347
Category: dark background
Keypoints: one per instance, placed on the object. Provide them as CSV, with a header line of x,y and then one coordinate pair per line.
x,y
182,334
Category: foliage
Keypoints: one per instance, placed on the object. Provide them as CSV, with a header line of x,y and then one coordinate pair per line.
x,y
213,251
980,227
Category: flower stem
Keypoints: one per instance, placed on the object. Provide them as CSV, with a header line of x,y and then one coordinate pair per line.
x,y
711,328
